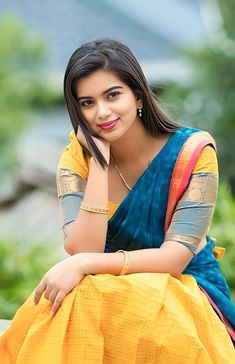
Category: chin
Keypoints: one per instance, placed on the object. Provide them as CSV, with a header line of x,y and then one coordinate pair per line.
x,y
112,136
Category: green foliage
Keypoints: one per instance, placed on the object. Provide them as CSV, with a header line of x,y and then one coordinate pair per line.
x,y
223,229
228,16
22,82
207,102
22,266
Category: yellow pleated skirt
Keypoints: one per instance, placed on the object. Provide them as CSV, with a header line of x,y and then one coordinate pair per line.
x,y
138,318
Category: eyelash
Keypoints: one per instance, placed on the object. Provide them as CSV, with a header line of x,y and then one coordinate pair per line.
x,y
114,94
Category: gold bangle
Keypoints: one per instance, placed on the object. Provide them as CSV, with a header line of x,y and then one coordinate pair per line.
x,y
97,210
126,263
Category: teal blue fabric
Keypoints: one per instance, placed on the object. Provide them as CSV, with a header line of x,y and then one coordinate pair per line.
x,y
139,222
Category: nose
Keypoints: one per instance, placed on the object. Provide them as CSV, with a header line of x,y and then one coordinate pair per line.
x,y
103,111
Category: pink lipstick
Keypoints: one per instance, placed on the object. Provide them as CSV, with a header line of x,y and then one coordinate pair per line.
x,y
109,125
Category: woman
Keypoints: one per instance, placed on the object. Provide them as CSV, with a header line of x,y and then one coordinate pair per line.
x,y
137,191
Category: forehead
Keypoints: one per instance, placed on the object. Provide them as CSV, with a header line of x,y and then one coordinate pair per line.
x,y
97,82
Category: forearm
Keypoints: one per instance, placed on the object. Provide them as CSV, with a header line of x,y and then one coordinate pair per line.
x,y
172,258
88,232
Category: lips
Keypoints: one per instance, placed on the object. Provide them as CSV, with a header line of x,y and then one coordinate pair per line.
x,y
109,125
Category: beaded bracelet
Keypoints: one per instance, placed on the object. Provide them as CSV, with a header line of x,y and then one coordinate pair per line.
x,y
126,263
97,210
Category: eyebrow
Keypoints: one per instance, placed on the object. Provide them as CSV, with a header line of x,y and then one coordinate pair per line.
x,y
103,93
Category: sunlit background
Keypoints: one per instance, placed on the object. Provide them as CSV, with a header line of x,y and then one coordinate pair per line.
x,y
187,51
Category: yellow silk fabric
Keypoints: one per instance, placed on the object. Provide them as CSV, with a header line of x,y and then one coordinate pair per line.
x,y
207,162
74,158
134,319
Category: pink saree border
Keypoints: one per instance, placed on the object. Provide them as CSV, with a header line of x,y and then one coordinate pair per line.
x,y
221,316
185,163
184,166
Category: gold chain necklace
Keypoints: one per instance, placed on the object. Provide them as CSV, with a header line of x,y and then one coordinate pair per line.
x,y
120,173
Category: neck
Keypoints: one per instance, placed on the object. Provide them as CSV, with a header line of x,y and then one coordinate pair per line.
x,y
132,145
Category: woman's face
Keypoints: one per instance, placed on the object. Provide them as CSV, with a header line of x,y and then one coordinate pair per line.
x,y
108,105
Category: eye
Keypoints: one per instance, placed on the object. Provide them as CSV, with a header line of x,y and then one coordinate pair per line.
x,y
86,103
113,94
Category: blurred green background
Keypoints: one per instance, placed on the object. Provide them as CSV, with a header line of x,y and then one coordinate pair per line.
x,y
206,100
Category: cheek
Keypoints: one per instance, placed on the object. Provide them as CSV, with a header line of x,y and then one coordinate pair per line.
x,y
128,107
88,116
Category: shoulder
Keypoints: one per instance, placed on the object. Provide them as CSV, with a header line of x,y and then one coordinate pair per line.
x,y
207,161
195,140
204,146
196,134
197,155
74,158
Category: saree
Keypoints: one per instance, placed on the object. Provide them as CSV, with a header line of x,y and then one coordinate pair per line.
x,y
141,317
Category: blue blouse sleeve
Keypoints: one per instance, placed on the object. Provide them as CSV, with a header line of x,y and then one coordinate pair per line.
x,y
193,213
70,189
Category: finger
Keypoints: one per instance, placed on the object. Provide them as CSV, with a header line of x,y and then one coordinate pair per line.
x,y
52,296
78,130
47,292
57,302
81,137
39,291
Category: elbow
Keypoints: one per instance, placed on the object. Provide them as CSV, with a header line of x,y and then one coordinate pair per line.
x,y
176,272
176,269
72,246
69,247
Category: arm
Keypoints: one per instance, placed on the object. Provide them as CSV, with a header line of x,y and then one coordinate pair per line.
x,y
64,276
84,231
193,213
171,258
88,232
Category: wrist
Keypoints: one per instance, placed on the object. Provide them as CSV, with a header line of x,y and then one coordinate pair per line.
x,y
105,150
101,263
84,262
95,164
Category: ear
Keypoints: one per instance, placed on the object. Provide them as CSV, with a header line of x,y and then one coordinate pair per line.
x,y
139,100
139,104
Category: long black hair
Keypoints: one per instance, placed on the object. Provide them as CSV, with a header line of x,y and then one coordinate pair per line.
x,y
112,55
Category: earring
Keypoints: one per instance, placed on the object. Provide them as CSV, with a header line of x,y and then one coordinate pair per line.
x,y
140,112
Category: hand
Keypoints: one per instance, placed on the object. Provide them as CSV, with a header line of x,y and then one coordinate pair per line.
x,y
60,280
102,144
